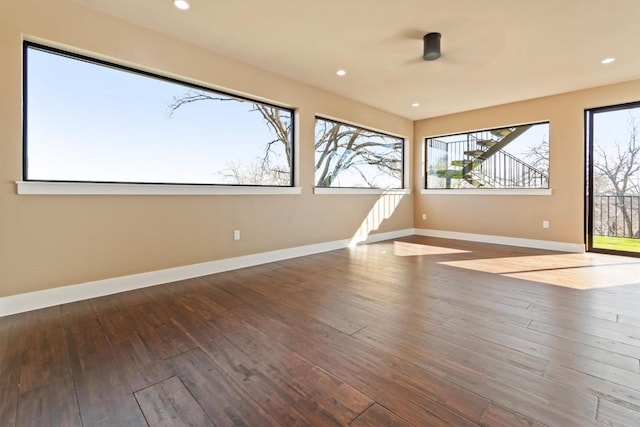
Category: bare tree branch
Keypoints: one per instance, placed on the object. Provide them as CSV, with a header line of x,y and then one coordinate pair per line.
x,y
617,169
339,148
194,96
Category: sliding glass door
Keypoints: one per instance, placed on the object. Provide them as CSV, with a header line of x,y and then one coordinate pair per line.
x,y
613,179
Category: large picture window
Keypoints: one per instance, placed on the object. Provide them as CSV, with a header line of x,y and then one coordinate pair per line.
x,y
87,120
348,156
514,157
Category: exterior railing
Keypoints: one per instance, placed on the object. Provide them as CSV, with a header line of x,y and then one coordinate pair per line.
x,y
503,170
616,216
500,170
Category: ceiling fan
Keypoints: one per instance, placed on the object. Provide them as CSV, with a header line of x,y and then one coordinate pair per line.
x,y
431,50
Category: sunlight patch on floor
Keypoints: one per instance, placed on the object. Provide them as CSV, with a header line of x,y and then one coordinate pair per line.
x,y
578,271
416,249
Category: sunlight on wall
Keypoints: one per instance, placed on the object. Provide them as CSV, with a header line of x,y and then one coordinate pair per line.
x,y
381,210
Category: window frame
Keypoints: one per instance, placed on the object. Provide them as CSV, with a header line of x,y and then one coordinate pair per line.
x,y
363,190
507,191
77,187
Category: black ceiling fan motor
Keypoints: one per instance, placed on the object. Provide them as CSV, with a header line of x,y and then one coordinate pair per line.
x,y
431,46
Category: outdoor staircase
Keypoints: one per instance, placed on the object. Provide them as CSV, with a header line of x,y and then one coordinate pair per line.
x,y
480,161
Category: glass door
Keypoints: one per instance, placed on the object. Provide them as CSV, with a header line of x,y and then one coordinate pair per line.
x,y
613,179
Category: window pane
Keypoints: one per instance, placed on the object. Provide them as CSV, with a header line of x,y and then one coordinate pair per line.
x,y
352,157
510,157
97,122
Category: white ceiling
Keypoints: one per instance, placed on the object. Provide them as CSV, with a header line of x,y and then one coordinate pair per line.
x,y
493,51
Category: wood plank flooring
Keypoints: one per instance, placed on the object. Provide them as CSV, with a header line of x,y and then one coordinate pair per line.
x,y
413,332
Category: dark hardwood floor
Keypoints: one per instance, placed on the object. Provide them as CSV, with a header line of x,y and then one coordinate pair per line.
x,y
420,331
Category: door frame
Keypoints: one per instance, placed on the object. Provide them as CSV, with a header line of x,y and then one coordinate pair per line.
x,y
588,188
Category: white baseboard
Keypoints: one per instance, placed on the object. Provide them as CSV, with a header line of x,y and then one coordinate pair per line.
x,y
501,240
33,300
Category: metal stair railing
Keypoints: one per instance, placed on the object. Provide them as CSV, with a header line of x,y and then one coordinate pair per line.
x,y
481,163
503,170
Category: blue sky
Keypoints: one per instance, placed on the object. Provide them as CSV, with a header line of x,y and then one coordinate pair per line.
x,y
610,127
612,131
88,122
92,123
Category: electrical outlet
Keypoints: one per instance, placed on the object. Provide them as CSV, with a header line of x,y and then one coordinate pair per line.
x,y
545,224
236,234
424,216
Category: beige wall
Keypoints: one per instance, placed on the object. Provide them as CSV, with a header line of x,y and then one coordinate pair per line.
x,y
521,216
51,241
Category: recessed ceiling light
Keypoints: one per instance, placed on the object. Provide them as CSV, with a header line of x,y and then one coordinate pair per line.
x,y
415,104
341,73
181,4
608,60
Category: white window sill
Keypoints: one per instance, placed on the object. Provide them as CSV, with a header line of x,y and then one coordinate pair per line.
x,y
491,192
108,189
381,191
